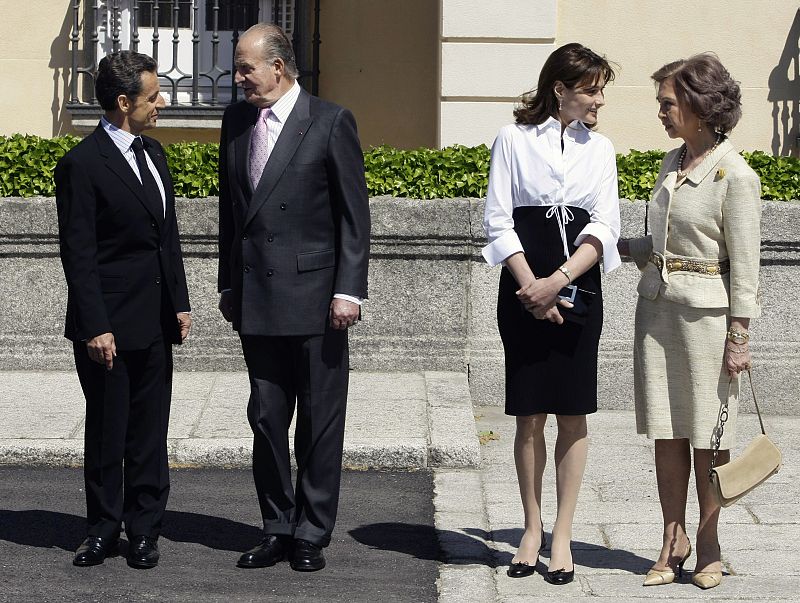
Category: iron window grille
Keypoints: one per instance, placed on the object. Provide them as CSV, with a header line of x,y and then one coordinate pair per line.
x,y
193,42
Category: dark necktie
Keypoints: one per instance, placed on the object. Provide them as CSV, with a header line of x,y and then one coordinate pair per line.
x,y
151,191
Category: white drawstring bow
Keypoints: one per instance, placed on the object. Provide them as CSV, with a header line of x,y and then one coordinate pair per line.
x,y
563,216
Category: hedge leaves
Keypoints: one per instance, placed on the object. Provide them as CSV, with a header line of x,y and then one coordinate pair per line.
x,y
27,163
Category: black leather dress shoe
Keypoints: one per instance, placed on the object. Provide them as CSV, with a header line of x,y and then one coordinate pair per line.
x,y
307,557
143,552
522,569
95,549
560,577
268,552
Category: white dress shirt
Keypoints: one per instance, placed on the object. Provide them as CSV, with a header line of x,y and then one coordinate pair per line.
x,y
528,168
278,114
123,141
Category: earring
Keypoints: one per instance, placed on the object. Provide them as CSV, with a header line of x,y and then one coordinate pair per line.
x,y
699,128
560,104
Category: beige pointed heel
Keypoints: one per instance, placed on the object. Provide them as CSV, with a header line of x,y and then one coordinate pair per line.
x,y
706,580
658,577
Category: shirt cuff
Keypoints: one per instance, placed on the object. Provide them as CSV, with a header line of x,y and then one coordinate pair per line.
x,y
601,232
350,298
502,247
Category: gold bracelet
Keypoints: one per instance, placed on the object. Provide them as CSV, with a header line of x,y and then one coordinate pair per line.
x,y
739,337
566,272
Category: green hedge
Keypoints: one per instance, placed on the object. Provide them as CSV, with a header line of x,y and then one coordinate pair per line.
x,y
27,162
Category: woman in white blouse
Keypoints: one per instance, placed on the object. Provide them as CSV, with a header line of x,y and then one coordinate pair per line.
x,y
552,212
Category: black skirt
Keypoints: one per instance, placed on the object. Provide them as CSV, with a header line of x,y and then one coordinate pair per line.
x,y
550,368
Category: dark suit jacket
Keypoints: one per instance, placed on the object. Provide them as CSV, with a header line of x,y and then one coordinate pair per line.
x,y
303,234
118,252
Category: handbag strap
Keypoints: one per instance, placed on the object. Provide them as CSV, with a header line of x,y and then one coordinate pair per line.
x,y
723,417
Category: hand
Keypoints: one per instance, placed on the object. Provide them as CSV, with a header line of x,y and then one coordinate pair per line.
x,y
540,294
552,314
343,313
185,324
736,358
226,305
102,349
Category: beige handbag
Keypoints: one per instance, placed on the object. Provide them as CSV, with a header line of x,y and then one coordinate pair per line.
x,y
757,462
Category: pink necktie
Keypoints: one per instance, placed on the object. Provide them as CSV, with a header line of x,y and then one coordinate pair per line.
x,y
259,151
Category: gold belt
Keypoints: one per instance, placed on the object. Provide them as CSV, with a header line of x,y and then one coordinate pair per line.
x,y
677,263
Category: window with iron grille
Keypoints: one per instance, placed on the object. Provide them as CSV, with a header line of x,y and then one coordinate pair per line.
x,y
231,14
192,41
165,9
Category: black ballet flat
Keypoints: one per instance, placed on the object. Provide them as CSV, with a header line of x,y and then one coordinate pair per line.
x,y
560,577
522,569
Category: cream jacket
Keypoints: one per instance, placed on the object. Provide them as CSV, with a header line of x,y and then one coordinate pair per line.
x,y
715,214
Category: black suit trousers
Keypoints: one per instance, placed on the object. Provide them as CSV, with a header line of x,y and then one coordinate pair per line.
x,y
311,373
125,453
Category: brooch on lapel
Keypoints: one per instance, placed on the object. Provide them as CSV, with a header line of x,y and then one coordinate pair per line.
x,y
720,174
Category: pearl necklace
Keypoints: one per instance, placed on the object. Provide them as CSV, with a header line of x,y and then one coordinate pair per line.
x,y
681,173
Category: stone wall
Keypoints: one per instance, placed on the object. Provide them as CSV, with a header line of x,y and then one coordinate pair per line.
x,y
431,306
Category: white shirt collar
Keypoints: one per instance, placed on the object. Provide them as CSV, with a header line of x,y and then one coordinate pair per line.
x,y
282,107
122,139
552,122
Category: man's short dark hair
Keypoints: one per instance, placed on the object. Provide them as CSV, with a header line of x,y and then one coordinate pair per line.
x,y
121,73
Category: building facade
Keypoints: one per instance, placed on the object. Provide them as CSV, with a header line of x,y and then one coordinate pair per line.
x,y
415,72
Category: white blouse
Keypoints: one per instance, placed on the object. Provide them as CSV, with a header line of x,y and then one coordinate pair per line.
x,y
528,168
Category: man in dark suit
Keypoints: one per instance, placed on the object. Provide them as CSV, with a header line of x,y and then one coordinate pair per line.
x,y
294,246
127,304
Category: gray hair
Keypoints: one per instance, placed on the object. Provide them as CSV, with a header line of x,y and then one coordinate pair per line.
x,y
276,46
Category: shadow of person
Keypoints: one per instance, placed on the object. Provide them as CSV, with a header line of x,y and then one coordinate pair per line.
x,y
43,529
583,553
213,532
784,94
51,529
416,540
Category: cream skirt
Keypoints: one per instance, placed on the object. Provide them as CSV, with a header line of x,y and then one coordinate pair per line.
x,y
679,380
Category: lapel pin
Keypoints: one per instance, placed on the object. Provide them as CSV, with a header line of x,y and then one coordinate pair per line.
x,y
720,174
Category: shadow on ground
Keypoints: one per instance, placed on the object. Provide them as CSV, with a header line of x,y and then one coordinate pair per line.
x,y
51,529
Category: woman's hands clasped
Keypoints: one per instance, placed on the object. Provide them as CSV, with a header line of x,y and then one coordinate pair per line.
x,y
540,298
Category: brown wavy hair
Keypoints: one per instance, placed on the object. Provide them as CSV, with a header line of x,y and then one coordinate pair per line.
x,y
707,88
573,64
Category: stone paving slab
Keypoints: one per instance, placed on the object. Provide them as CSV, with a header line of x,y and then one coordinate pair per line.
x,y
617,530
394,420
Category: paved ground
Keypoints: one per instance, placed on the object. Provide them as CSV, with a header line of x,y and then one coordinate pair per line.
x,y
407,421
394,420
384,547
617,531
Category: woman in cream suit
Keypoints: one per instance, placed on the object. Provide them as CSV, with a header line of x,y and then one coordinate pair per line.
x,y
697,294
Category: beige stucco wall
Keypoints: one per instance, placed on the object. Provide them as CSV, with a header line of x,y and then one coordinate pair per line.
x,y
757,40
34,59
438,72
491,52
379,59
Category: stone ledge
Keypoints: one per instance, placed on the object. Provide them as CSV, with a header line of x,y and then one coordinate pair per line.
x,y
432,298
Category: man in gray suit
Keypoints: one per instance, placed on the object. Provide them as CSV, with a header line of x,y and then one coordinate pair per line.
x,y
294,247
